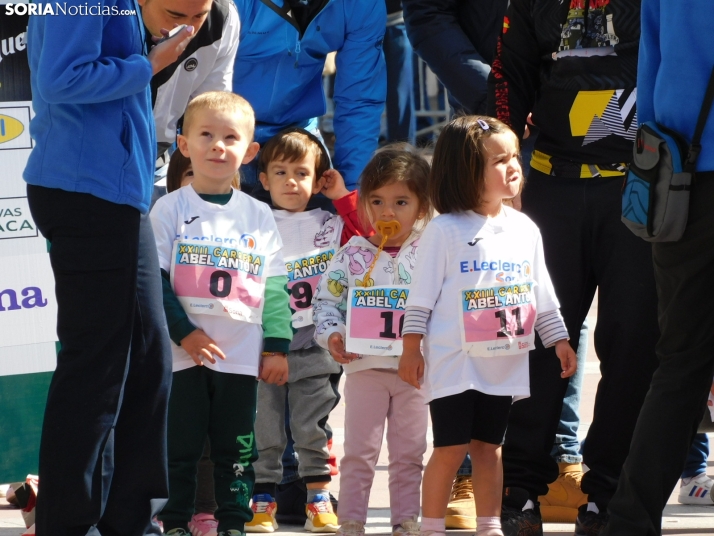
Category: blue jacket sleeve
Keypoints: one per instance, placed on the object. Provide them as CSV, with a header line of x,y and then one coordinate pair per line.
x,y
360,88
73,66
649,60
434,32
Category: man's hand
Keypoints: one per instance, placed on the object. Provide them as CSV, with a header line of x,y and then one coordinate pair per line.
x,y
336,347
568,358
334,187
274,369
527,130
200,346
411,364
168,51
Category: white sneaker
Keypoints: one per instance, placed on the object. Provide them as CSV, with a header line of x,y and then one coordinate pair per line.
x,y
351,527
698,491
408,527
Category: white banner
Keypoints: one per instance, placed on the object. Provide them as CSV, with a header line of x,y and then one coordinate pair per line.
x,y
28,309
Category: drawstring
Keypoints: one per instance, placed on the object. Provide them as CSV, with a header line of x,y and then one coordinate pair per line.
x,y
385,229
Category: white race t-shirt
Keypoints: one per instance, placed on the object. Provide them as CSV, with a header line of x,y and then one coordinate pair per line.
x,y
310,239
466,250
244,225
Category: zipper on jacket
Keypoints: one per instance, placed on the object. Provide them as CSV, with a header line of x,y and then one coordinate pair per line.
x,y
283,12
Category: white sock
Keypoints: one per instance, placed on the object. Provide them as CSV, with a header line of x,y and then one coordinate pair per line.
x,y
435,524
488,526
528,506
592,507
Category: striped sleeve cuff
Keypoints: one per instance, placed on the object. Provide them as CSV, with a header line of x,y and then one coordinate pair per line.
x,y
415,320
550,327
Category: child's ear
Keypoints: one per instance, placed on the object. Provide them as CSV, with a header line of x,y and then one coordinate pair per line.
x,y
253,149
182,143
319,185
263,178
422,213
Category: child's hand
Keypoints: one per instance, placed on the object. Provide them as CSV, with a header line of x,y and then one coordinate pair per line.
x,y
568,359
334,187
336,346
411,367
274,369
200,346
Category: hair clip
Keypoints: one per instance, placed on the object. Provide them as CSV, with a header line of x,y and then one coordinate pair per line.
x,y
483,124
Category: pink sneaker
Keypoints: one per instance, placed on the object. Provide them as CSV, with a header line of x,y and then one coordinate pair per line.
x,y
203,525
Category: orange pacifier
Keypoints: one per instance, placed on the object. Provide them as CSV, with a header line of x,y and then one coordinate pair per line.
x,y
387,228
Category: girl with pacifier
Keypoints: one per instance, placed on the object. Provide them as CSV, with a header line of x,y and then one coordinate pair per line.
x,y
359,312
480,291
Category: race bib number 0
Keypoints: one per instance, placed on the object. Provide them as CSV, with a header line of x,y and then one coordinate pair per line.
x,y
304,274
213,279
375,318
497,321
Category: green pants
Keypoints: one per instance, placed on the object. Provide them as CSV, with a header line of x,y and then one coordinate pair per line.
x,y
222,406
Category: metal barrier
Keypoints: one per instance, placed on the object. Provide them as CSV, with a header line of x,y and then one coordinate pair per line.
x,y
431,101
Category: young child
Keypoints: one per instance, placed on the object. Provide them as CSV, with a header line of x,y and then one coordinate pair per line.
x,y
179,172
393,198
225,304
480,287
294,166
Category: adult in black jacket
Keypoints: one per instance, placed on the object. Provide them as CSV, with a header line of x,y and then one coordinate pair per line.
x,y
457,39
573,64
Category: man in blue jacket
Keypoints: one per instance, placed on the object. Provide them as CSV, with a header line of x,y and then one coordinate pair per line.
x,y
278,69
676,59
103,447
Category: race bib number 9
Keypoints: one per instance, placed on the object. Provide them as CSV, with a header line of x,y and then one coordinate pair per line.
x,y
304,274
375,318
213,279
497,321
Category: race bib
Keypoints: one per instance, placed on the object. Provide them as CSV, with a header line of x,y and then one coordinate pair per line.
x,y
375,318
212,279
497,321
304,274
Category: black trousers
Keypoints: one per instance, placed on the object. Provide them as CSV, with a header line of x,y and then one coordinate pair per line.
x,y
222,406
680,386
103,448
587,248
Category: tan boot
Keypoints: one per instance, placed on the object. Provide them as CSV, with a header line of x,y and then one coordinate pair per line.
x,y
564,497
461,511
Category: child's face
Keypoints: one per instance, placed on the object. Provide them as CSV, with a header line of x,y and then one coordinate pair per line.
x,y
217,143
395,201
502,172
187,176
291,184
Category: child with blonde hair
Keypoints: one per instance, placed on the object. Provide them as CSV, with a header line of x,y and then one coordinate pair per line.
x,y
227,310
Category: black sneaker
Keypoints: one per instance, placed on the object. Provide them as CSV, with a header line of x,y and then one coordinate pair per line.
x,y
291,499
518,522
590,523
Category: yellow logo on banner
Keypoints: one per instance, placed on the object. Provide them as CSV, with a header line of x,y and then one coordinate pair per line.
x,y
10,128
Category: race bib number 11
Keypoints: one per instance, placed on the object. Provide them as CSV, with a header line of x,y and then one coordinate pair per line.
x,y
497,321
213,279
375,318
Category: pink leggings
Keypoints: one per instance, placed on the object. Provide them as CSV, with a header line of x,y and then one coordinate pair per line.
x,y
371,397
